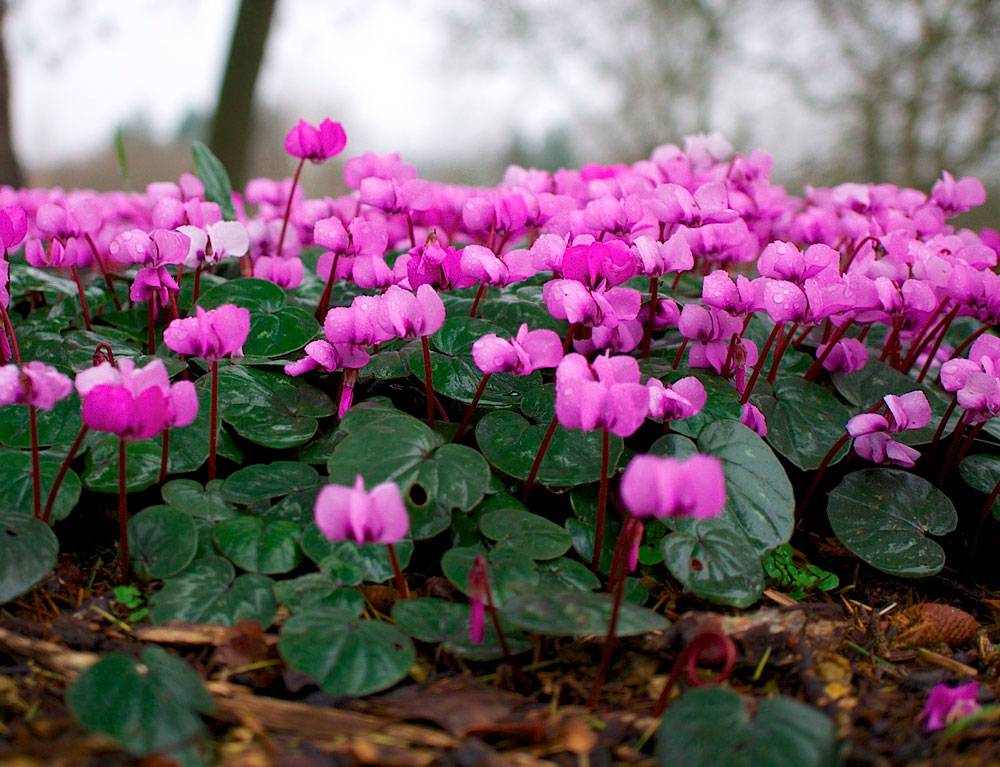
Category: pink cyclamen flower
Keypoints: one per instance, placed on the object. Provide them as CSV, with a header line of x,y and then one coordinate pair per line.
x,y
212,334
226,238
847,356
135,403
364,516
946,705
603,395
958,196
753,419
574,302
693,487
411,315
478,588
13,226
976,380
316,144
871,430
284,272
329,357
681,399
528,351
35,384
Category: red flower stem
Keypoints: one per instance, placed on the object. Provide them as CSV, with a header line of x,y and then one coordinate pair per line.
x,y
197,284
864,333
410,231
779,351
727,371
150,319
817,364
944,422
923,337
324,300
104,272
970,437
956,439
568,341
857,249
75,273
688,660
748,389
618,578
213,419
57,483
617,559
802,336
536,464
820,471
932,352
985,513
602,502
288,208
647,335
968,341
495,619
11,334
36,470
680,353
675,283
123,557
428,380
164,456
401,587
471,409
173,306
480,294
890,342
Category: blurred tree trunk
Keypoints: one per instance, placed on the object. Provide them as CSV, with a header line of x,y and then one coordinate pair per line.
x,y
232,126
10,170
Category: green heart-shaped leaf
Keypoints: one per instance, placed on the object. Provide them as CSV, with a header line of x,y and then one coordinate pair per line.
x,y
317,590
531,535
203,503
577,613
58,426
259,545
28,551
208,592
162,541
19,495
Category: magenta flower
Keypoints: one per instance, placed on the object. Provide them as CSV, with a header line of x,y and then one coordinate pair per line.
x,y
13,226
329,357
598,264
753,419
134,403
946,705
528,351
411,315
847,356
976,380
215,242
603,395
958,196
658,258
710,332
574,302
871,430
34,383
316,144
478,588
364,516
719,291
153,252
784,261
681,399
392,196
694,487
285,272
212,334
673,204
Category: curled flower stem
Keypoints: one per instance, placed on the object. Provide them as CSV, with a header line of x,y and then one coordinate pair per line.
x,y
104,272
536,464
428,380
817,364
288,208
471,409
932,353
75,273
9,328
401,587
779,351
480,295
647,335
688,661
213,419
748,389
164,456
36,471
123,557
324,300
602,502
57,483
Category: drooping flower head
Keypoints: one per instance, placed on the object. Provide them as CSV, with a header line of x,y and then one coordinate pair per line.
x,y
33,383
316,143
654,486
949,704
364,516
528,351
871,431
673,402
603,395
212,334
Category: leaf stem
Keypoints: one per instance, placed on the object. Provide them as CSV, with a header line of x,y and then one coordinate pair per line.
x,y
324,300
537,463
75,273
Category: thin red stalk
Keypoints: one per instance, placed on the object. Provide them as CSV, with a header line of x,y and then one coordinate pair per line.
x,y
173,306
57,483
324,300
36,470
956,439
609,639
688,660
197,284
164,456
104,272
401,587
213,418
647,335
817,364
150,314
944,422
779,351
675,283
985,512
820,471
471,409
730,351
617,558
864,333
288,208
680,354
932,352
926,333
802,336
75,273
857,249
11,334
970,437
602,502
479,297
409,230
568,340
536,464
428,380
969,341
123,556
495,619
748,389
892,340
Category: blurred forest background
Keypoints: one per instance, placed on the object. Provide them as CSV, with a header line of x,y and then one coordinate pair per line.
x,y
836,90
